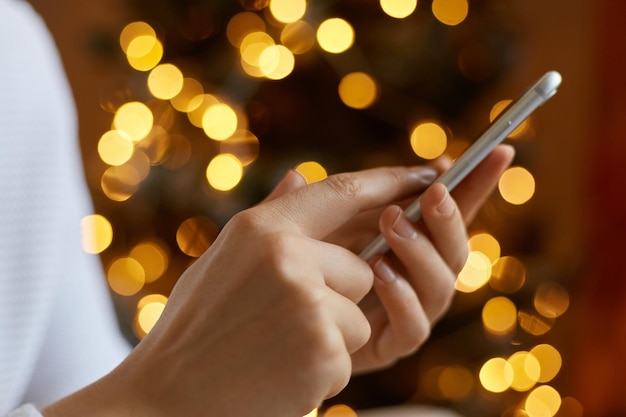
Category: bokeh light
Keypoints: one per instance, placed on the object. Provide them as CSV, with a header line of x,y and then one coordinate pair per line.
x,y
340,410
335,35
475,273
126,276
165,81
153,258
195,235
276,62
144,52
241,25
311,171
96,233
115,148
429,140
298,36
516,185
543,401
149,310
455,382
134,119
551,300
287,11
243,144
526,371
450,12
134,30
496,375
398,8
219,121
550,361
224,172
508,275
183,101
358,90
499,315
485,243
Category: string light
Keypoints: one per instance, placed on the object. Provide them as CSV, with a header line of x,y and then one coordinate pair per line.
x,y
269,40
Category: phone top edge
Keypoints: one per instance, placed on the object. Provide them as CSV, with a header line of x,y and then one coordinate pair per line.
x,y
548,84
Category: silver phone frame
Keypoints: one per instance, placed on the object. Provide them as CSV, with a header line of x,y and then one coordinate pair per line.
x,y
518,111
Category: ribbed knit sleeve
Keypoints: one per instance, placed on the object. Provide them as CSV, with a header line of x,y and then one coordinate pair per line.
x,y
57,328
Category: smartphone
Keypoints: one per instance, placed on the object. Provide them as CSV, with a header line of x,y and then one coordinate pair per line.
x,y
502,126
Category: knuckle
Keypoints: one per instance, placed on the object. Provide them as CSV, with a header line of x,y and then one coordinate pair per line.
x,y
346,185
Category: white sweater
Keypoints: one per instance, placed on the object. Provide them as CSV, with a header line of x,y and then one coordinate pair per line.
x,y
57,326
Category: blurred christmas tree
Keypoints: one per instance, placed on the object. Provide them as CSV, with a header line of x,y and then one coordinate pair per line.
x,y
262,86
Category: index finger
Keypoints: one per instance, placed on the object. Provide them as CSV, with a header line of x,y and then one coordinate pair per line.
x,y
319,208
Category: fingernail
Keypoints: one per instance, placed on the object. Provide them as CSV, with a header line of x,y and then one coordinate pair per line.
x,y
383,271
446,205
425,175
402,226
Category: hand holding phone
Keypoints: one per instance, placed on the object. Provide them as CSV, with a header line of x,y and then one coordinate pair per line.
x,y
509,120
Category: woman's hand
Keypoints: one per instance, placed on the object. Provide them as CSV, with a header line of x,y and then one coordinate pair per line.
x,y
264,323
414,283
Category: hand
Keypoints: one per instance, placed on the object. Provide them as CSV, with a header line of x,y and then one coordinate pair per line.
x,y
263,324
414,283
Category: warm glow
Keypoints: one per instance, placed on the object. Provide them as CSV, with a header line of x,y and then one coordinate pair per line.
x,y
544,401
340,410
134,119
526,371
507,275
195,235
313,413
358,90
335,35
120,183
551,300
498,108
134,30
148,315
219,121
450,12
96,233
550,361
253,45
152,257
516,185
398,8
475,273
156,146
183,101
429,140
144,52
287,11
299,37
198,105
311,171
126,276
242,24
224,172
243,144
499,316
115,148
487,244
165,81
534,324
496,375
276,62
455,382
